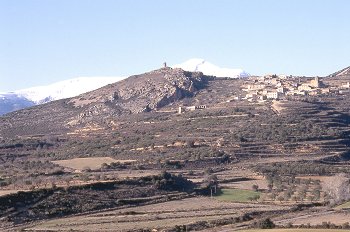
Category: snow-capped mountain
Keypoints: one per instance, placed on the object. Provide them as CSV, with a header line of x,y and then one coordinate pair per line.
x,y
12,102
65,89
200,65
20,99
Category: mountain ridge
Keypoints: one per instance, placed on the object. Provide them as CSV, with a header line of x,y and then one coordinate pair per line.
x,y
65,89
13,102
201,65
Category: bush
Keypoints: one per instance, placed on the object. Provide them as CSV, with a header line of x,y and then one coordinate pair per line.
x,y
345,225
266,224
255,187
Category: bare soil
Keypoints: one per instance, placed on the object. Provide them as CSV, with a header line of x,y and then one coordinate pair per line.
x,y
92,163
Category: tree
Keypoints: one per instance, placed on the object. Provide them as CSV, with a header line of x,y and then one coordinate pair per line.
x,y
86,169
210,183
273,196
280,198
345,225
190,143
266,224
254,198
270,187
211,180
255,187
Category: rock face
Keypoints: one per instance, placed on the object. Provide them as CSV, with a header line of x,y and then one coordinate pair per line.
x,y
139,93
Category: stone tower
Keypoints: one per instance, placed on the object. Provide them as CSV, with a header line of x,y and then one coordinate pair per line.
x,y
316,82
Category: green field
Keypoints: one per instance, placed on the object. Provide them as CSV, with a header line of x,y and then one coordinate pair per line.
x,y
294,230
237,195
344,206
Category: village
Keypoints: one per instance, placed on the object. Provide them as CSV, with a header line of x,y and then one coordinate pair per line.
x,y
280,87
259,89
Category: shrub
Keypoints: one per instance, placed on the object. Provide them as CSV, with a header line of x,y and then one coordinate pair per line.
x,y
255,187
266,224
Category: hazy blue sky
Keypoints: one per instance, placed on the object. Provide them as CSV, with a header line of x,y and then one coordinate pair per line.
x,y
43,41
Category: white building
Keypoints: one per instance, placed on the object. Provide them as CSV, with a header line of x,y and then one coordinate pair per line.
x,y
272,95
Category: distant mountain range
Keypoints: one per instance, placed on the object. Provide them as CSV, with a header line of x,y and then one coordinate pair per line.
x,y
200,65
65,89
20,99
11,102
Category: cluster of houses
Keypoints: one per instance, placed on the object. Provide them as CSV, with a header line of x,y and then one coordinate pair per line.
x,y
273,87
280,87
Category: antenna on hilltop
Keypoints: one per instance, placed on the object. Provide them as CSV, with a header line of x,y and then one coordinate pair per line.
x,y
164,64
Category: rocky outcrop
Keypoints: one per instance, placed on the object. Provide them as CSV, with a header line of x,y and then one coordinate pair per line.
x,y
139,93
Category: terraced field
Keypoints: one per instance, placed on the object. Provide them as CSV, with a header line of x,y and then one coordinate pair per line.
x,y
296,230
156,216
91,163
346,205
237,195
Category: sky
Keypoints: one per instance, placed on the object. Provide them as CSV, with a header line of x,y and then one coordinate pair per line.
x,y
45,41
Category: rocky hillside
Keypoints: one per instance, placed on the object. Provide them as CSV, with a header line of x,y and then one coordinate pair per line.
x,y
99,108
343,72
23,98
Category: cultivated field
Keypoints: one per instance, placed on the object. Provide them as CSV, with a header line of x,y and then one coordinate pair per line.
x,y
6,192
161,215
247,184
295,230
91,163
337,218
314,218
237,195
343,206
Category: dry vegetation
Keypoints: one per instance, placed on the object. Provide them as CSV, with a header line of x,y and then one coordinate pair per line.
x,y
113,179
295,230
162,215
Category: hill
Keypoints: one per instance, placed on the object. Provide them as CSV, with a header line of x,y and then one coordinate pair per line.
x,y
343,72
136,94
74,87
